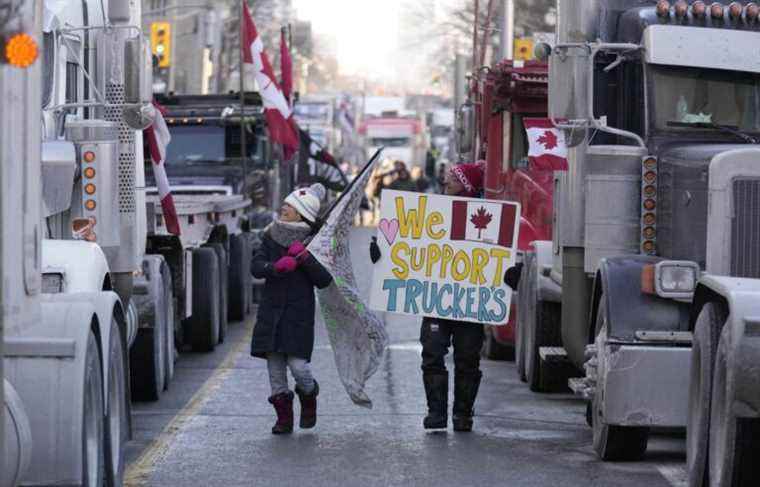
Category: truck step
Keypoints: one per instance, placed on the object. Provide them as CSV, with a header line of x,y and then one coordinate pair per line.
x,y
556,369
553,354
580,387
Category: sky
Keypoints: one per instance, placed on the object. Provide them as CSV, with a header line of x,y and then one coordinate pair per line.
x,y
366,31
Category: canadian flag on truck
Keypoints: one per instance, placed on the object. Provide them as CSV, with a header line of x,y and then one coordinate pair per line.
x,y
279,116
547,149
158,138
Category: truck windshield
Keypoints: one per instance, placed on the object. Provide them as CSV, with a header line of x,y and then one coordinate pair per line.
x,y
196,144
390,141
685,98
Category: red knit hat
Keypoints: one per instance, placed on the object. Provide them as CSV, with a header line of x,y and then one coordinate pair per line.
x,y
471,176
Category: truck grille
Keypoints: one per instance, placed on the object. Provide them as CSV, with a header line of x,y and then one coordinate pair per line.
x,y
745,228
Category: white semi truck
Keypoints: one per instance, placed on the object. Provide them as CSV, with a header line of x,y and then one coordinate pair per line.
x,y
92,282
64,353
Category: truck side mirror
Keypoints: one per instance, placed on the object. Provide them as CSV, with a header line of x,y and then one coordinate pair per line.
x,y
138,84
465,127
569,96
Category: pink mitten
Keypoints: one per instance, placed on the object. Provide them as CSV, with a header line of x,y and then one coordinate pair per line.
x,y
285,264
296,249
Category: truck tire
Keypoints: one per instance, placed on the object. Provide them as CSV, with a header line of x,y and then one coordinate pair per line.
x,y
170,354
221,255
521,323
733,441
541,332
613,442
493,350
117,414
239,279
93,449
147,355
704,349
203,325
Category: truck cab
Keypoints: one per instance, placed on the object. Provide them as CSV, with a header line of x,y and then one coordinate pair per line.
x,y
204,154
510,92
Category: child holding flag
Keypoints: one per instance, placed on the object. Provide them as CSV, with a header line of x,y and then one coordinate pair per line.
x,y
284,331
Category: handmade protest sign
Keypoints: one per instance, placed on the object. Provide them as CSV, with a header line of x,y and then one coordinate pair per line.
x,y
445,256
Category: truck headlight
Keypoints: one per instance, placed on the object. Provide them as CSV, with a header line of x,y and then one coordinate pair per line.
x,y
675,278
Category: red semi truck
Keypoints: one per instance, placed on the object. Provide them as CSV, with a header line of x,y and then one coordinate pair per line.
x,y
504,96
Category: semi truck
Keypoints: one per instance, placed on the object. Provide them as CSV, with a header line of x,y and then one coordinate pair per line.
x,y
316,115
403,137
64,353
507,93
654,243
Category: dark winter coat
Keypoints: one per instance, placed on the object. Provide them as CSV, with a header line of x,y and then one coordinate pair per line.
x,y
285,320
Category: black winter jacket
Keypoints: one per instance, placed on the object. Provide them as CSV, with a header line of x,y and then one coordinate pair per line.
x,y
285,320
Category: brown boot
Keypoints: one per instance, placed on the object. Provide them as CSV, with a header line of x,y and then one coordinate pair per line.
x,y
283,406
308,407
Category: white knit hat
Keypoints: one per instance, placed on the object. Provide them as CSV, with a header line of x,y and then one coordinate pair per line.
x,y
307,201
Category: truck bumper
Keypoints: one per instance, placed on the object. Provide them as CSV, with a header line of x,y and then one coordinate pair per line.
x,y
645,385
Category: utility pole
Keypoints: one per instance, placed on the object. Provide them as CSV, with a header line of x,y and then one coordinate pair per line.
x,y
243,145
507,36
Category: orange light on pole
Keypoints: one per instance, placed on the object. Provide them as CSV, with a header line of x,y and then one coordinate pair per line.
x,y
90,205
21,50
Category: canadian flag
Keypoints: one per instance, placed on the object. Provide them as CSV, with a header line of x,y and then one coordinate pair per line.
x,y
483,221
279,116
547,148
158,138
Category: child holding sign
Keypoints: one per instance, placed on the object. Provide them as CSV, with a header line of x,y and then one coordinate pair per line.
x,y
284,332
437,334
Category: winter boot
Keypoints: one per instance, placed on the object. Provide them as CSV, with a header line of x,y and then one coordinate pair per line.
x,y
308,407
437,392
283,406
465,392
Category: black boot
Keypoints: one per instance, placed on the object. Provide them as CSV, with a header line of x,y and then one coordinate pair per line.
x,y
465,392
308,407
437,392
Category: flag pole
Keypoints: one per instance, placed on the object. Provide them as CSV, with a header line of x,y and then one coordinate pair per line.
x,y
243,145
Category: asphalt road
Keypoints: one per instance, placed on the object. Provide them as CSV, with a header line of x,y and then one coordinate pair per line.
x,y
213,427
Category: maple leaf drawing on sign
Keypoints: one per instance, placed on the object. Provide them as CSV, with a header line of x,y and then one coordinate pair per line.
x,y
481,219
548,140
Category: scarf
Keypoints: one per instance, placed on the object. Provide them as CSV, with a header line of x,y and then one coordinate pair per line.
x,y
285,233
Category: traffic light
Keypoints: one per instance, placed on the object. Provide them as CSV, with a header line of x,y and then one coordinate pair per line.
x,y
161,43
523,49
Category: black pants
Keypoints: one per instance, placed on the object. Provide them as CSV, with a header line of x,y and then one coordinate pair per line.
x,y
436,336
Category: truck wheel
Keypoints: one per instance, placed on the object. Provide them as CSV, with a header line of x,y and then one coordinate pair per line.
x,y
93,465
614,442
221,255
204,323
493,350
117,423
541,332
522,323
734,441
170,355
704,348
146,356
239,278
